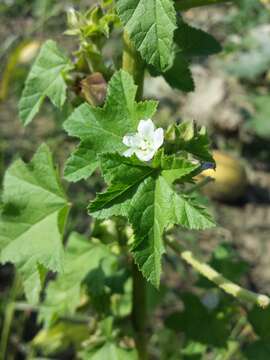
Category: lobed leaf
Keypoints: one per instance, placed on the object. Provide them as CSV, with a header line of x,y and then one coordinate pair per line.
x,y
46,79
179,76
195,42
63,294
199,324
150,25
188,42
144,195
32,220
191,215
101,130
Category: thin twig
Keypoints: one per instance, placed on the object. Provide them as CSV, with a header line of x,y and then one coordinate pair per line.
x,y
217,278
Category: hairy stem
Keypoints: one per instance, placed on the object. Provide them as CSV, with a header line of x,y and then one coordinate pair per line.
x,y
218,279
183,5
133,64
139,311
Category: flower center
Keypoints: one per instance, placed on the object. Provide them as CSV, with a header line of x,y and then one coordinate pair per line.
x,y
146,144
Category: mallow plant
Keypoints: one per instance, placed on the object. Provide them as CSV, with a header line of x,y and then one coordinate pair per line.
x,y
102,281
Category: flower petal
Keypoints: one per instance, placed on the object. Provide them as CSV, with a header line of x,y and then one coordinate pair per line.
x,y
145,155
158,138
129,152
132,140
146,129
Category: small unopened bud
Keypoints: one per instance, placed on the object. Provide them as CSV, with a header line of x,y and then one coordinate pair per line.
x,y
170,133
72,18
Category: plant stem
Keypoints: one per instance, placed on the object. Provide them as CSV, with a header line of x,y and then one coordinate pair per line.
x,y
133,63
9,313
217,278
183,5
139,311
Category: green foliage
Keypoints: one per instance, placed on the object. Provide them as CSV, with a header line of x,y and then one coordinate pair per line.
x,y
188,42
92,27
150,24
226,261
188,137
46,79
259,122
143,194
259,350
199,324
195,42
105,345
32,220
60,337
102,129
260,321
109,350
63,295
92,293
93,23
179,76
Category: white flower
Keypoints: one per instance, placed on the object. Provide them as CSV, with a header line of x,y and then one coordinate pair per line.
x,y
145,142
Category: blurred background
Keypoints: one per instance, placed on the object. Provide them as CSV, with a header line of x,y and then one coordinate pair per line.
x,y
232,99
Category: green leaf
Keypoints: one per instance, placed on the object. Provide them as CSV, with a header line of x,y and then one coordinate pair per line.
x,y
110,351
179,75
102,129
198,323
188,137
32,220
195,42
189,42
150,212
175,168
193,351
82,162
124,176
191,214
59,338
63,294
260,321
259,350
143,195
46,79
150,25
